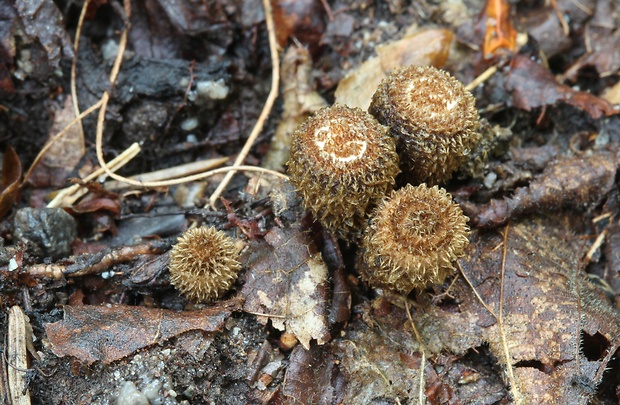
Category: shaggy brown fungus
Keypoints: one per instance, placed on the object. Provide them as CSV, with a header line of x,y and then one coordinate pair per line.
x,y
432,116
413,240
203,264
342,163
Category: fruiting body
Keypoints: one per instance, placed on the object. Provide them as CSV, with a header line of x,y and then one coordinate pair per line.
x,y
413,239
343,162
433,117
203,264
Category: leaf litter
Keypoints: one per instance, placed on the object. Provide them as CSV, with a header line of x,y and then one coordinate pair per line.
x,y
522,322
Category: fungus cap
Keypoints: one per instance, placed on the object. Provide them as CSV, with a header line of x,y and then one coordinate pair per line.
x,y
433,117
342,163
413,240
203,264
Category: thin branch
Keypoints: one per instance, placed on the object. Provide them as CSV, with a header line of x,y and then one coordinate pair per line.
x,y
76,49
421,396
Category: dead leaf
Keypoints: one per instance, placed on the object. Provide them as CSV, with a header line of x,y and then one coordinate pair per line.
x,y
376,363
42,27
312,377
499,33
64,154
612,94
7,47
11,176
534,86
551,314
303,20
578,182
605,59
425,47
288,284
110,333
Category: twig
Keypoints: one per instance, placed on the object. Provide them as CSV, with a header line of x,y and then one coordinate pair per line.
x,y
421,396
76,49
69,195
271,98
174,172
483,77
516,395
511,380
89,264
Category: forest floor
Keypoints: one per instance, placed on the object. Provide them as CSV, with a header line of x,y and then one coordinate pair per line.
x,y
88,313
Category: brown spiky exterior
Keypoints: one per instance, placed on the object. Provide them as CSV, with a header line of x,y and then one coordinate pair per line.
x,y
342,162
413,240
433,117
203,264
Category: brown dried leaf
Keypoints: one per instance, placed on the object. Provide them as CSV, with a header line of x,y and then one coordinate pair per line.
x,y
551,312
605,59
312,377
380,362
499,33
534,86
43,26
425,47
11,175
7,47
107,334
577,182
99,204
64,154
301,19
288,284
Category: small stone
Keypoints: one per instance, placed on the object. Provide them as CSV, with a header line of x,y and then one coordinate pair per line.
x,y
48,232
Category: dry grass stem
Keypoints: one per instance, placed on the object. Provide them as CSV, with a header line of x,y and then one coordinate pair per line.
x,y
67,196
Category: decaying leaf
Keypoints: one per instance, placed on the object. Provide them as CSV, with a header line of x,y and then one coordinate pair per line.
x,y
43,31
557,331
65,153
11,175
425,47
312,377
534,86
19,339
380,362
287,283
300,19
110,333
499,33
605,59
578,182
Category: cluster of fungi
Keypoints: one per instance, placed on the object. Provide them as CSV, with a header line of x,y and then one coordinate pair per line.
x,y
422,123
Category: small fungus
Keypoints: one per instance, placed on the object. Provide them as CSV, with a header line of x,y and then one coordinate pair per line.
x,y
204,264
434,119
342,162
413,240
